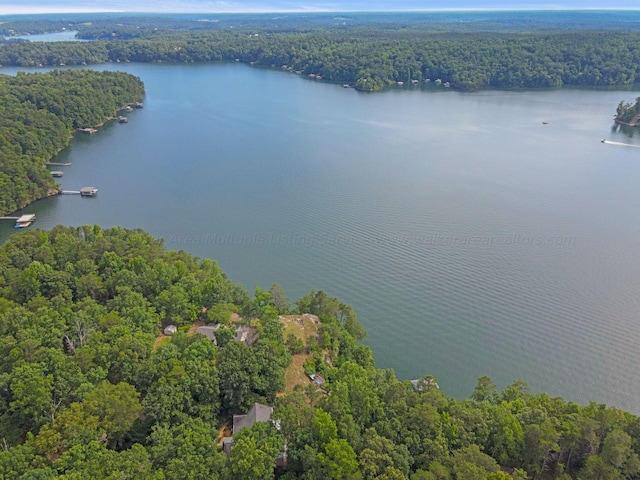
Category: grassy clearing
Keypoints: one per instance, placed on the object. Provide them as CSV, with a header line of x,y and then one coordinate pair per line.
x,y
160,340
303,327
295,373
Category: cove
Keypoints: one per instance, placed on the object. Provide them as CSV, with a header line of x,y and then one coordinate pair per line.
x,y
470,237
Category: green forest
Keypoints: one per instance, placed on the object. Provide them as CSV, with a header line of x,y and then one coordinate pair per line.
x,y
93,386
90,388
368,57
38,114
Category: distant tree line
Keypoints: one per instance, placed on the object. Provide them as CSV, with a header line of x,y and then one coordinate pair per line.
x,y
38,113
369,57
118,25
90,388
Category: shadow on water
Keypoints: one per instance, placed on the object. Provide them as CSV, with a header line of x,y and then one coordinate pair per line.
x,y
625,130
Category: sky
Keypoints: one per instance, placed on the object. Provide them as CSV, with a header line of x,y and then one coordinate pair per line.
x,y
252,6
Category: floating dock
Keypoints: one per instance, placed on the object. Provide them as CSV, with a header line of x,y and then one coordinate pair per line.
x,y
56,173
25,220
88,191
123,119
90,131
84,192
59,164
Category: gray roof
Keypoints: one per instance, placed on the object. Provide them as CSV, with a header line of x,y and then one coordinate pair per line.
x,y
246,334
227,443
208,331
258,413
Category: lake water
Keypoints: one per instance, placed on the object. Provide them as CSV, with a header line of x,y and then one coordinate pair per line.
x,y
66,36
471,238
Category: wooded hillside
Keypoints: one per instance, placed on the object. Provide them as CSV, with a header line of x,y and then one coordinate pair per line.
x,y
38,113
368,57
90,388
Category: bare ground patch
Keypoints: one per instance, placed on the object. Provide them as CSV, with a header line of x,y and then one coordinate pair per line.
x,y
160,340
194,327
303,327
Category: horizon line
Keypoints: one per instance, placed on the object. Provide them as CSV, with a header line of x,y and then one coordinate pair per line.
x,y
38,11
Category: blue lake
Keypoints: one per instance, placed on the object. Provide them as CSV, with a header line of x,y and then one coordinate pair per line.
x,y
66,36
471,238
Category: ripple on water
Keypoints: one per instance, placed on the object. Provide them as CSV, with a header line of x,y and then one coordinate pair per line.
x,y
406,211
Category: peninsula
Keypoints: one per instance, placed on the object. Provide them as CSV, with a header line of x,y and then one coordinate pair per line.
x,y
105,375
39,115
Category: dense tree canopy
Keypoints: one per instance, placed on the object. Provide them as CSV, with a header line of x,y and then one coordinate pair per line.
x,y
38,113
368,56
90,388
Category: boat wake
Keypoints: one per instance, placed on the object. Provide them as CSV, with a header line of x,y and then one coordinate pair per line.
x,y
609,142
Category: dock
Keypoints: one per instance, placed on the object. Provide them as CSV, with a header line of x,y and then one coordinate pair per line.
x,y
59,164
25,220
122,119
56,173
90,131
88,191
83,192
22,221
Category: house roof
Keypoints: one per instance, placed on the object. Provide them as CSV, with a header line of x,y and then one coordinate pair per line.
x,y
257,413
246,334
208,331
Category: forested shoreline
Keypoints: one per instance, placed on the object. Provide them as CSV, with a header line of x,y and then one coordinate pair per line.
x,y
90,385
368,57
90,388
38,114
